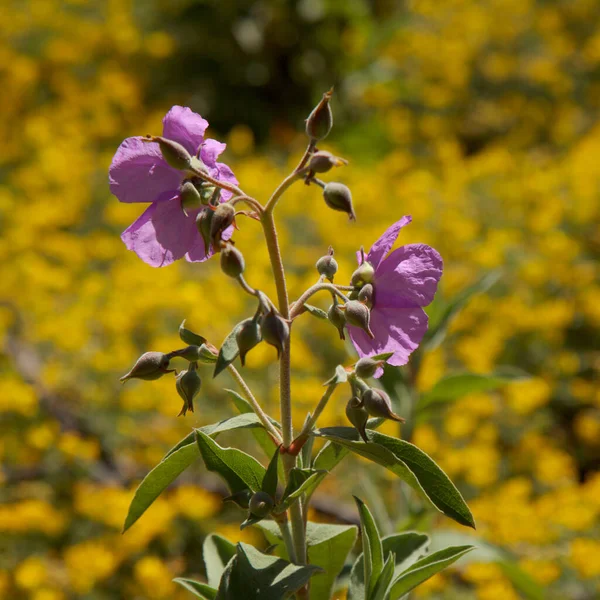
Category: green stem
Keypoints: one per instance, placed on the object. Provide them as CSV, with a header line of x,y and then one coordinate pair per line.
x,y
318,410
286,535
311,291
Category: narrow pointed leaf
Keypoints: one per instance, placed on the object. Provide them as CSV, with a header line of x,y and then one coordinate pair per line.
x,y
228,352
341,376
157,480
410,464
250,520
240,470
301,481
269,483
425,568
372,548
200,590
384,579
315,312
189,337
216,552
383,356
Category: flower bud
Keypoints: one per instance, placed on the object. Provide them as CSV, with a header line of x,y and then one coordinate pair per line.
x,y
338,197
327,265
363,274
366,295
320,120
223,217
261,504
189,197
203,224
242,498
149,366
208,192
378,404
174,153
358,416
367,367
275,330
232,260
336,317
188,385
323,161
358,314
247,336
208,354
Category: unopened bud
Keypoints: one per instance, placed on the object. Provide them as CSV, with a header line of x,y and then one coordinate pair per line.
x,y
336,317
149,366
174,153
203,224
209,193
327,265
320,120
358,314
241,498
378,404
363,274
366,295
188,385
338,197
261,504
323,161
275,330
358,416
367,367
247,336
189,197
232,260
208,354
223,217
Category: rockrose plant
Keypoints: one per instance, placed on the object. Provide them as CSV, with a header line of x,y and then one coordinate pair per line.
x,y
193,203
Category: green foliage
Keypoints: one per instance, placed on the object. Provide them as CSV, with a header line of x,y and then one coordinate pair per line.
x,y
216,552
300,481
229,351
198,589
315,312
373,560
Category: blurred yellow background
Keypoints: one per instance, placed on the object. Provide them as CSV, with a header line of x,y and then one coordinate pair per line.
x,y
478,118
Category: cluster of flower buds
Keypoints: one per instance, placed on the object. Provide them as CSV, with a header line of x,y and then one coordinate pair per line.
x,y
153,365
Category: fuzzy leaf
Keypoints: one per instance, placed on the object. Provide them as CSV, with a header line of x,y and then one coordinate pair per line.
x,y
384,579
269,482
315,312
228,352
301,481
216,552
200,590
189,337
341,376
372,548
382,356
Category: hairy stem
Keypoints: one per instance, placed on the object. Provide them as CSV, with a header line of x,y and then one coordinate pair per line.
x,y
284,527
297,308
260,413
221,184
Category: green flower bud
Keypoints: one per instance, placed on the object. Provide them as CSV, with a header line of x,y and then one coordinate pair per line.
x,y
366,295
223,217
320,120
209,193
378,404
174,153
203,224
242,499
208,354
232,260
364,274
358,314
336,317
189,197
188,385
275,330
261,504
323,161
149,366
327,265
358,416
367,367
338,197
248,336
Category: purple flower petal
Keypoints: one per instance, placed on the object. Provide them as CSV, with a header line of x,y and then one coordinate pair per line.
x,y
384,244
162,234
224,173
183,125
408,277
138,172
397,330
211,150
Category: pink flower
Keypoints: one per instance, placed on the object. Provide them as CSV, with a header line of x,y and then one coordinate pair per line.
x,y
138,173
403,282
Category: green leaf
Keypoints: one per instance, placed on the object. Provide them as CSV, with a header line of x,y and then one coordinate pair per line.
x,y
382,356
328,548
341,376
315,312
372,547
252,575
425,568
240,470
269,482
454,386
157,480
301,481
407,547
522,581
200,590
216,552
189,337
260,435
410,464
228,352
385,578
